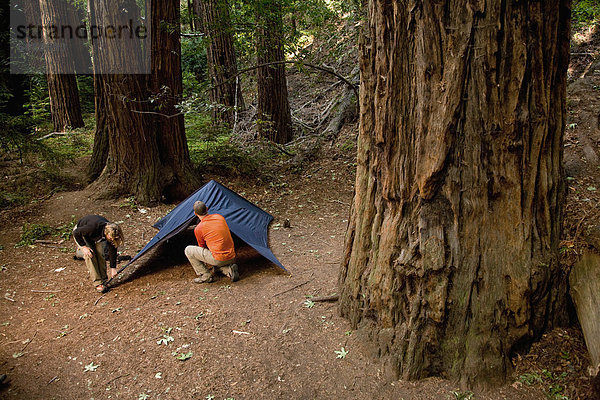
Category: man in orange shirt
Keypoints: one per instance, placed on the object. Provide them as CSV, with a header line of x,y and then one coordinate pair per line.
x,y
215,247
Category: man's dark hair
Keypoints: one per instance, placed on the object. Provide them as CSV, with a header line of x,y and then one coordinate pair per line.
x,y
200,208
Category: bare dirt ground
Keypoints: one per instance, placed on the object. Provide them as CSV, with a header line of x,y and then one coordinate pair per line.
x,y
257,338
157,335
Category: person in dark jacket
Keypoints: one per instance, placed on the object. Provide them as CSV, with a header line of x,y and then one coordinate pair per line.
x,y
94,236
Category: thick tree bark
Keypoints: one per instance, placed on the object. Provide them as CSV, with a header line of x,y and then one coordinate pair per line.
x,y
62,83
133,164
275,121
166,86
451,260
225,95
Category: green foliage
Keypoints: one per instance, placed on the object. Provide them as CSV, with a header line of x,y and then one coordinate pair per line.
x,y
342,353
38,104
33,232
224,157
17,135
308,303
213,150
530,379
549,379
85,84
463,395
166,339
347,145
38,160
193,58
13,199
306,19
183,356
585,13
91,367
129,203
302,21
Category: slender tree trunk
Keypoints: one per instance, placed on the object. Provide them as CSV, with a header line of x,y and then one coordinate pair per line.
x,y
166,86
225,95
192,15
275,121
451,260
100,151
133,164
12,85
62,83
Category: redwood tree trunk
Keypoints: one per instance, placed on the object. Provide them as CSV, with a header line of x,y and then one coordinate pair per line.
x,y
451,260
275,121
225,94
133,164
166,86
62,83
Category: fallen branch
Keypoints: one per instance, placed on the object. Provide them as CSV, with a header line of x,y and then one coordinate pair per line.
x,y
292,288
13,341
96,303
299,63
52,380
55,134
118,377
157,113
333,297
338,201
240,332
52,246
28,342
49,241
45,291
281,149
303,124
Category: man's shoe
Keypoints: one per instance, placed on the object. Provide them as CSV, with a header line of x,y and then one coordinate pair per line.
x,y
202,279
234,273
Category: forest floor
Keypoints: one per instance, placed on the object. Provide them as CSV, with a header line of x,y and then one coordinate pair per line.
x,y
157,335
257,338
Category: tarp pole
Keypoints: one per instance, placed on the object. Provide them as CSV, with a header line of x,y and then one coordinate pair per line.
x,y
118,272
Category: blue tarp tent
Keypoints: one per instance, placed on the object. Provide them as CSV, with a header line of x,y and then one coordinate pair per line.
x,y
245,220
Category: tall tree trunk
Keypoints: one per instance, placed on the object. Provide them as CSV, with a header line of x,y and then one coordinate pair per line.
x,y
225,94
275,121
193,14
100,150
451,261
166,86
15,86
62,83
133,163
